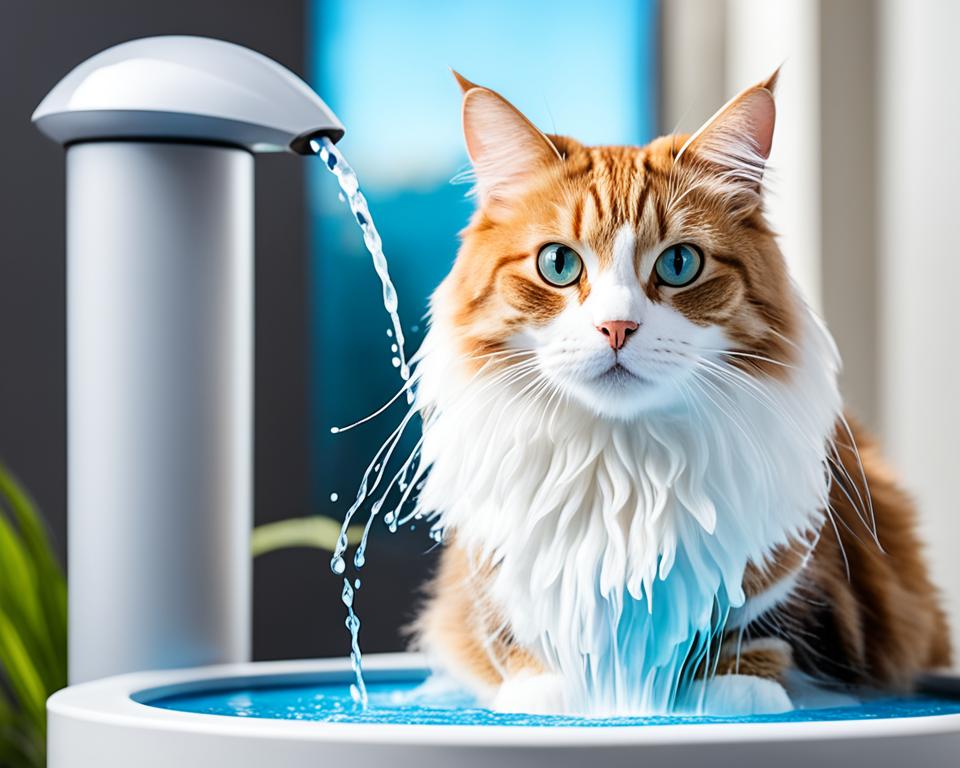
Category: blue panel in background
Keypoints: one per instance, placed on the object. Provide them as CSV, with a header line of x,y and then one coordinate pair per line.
x,y
382,66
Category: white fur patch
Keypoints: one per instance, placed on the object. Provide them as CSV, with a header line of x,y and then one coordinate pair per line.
x,y
532,695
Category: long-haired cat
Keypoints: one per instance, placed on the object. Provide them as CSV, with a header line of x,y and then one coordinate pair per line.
x,y
649,497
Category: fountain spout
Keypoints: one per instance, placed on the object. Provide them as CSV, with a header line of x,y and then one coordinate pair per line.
x,y
188,89
160,136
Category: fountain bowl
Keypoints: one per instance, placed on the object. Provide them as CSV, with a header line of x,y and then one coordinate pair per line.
x,y
138,719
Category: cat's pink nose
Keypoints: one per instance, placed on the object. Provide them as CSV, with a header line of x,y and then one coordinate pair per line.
x,y
617,332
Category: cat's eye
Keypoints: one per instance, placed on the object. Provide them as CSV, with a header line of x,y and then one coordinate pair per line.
x,y
679,265
559,264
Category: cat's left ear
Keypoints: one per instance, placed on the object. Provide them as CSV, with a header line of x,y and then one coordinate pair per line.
x,y
738,138
507,150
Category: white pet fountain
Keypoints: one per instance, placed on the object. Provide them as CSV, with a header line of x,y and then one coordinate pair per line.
x,y
160,136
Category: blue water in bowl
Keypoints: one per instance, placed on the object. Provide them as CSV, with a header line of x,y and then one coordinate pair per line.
x,y
398,702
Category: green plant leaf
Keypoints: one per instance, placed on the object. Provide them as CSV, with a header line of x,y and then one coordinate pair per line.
x,y
20,601
21,673
315,531
33,622
51,589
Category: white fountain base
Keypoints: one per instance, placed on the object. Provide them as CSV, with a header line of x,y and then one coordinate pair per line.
x,y
103,724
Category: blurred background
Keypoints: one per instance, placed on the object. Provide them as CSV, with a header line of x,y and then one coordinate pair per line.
x,y
862,192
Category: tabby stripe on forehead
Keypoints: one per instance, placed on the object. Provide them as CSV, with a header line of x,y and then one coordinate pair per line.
x,y
577,218
615,213
596,200
661,218
644,186
614,192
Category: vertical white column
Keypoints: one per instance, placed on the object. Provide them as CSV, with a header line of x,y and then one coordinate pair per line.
x,y
160,330
762,35
693,83
848,187
919,165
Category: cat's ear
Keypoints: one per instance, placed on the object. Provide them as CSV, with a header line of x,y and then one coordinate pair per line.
x,y
507,150
738,138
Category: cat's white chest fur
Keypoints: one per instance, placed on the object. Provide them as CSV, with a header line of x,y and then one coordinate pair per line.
x,y
621,546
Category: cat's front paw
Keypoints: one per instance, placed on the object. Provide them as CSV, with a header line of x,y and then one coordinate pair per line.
x,y
741,695
531,695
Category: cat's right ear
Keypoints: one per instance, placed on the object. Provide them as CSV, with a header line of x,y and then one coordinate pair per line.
x,y
507,150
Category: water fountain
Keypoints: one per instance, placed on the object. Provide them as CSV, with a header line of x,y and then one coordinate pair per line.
x,y
160,136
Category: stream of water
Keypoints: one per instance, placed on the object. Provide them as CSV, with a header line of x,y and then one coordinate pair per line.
x,y
346,177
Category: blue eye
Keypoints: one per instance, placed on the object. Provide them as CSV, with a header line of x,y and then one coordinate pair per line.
x,y
679,265
559,265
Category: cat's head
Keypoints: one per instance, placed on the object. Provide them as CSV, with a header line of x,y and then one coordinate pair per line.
x,y
615,274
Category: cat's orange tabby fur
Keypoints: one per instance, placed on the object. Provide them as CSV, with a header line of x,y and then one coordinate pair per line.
x,y
838,590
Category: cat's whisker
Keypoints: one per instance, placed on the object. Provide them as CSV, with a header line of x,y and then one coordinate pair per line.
x,y
504,379
735,422
843,479
745,384
737,379
748,355
415,377
863,475
500,354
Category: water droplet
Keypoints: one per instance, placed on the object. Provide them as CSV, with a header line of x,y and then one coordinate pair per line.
x,y
337,565
393,347
356,583
388,518
389,333
359,559
415,328
334,430
334,497
341,197
395,362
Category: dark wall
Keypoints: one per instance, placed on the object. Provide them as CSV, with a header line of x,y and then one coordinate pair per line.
x,y
297,611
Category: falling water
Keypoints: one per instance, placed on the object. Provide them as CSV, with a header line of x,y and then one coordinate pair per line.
x,y
347,178
334,161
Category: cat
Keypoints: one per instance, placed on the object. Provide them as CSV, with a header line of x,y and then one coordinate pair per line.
x,y
648,495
